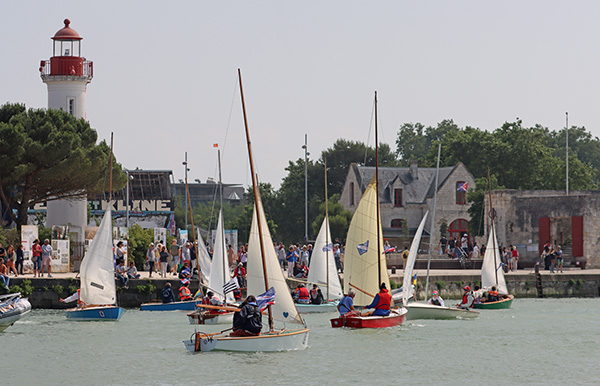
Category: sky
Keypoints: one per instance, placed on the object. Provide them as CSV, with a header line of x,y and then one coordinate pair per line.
x,y
165,73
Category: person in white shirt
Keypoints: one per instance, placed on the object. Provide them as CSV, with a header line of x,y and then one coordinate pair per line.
x,y
436,300
151,258
132,272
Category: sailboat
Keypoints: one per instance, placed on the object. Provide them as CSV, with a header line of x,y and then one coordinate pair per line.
x,y
365,266
492,274
219,276
323,270
417,310
98,292
263,274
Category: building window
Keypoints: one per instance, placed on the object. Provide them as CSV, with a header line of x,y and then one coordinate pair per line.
x,y
397,223
397,197
71,106
458,228
461,192
352,193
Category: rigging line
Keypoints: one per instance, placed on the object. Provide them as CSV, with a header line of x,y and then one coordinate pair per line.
x,y
369,135
233,95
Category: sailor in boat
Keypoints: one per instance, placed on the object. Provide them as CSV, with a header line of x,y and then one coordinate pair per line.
x,y
492,295
346,305
184,291
436,300
316,296
467,299
301,294
382,303
73,297
247,321
477,295
167,294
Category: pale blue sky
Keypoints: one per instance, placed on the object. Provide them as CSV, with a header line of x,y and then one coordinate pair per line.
x,y
165,72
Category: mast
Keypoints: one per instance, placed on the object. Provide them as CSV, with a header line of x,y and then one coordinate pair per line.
x,y
187,192
223,234
256,197
377,196
492,228
432,228
327,228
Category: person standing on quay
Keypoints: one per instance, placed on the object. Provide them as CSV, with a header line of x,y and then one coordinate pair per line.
x,y
46,258
515,258
150,257
36,258
20,258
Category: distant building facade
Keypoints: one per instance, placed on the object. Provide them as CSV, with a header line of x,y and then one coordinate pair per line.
x,y
406,194
528,219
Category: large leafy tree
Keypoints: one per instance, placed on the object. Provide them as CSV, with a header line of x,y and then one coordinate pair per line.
x,y
47,155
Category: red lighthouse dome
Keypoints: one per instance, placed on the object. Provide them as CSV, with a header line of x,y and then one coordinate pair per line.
x,y
66,57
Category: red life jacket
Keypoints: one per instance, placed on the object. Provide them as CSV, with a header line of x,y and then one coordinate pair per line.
x,y
303,293
385,300
465,300
185,293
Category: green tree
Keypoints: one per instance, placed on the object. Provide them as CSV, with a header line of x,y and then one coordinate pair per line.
x,y
339,219
416,141
139,240
47,155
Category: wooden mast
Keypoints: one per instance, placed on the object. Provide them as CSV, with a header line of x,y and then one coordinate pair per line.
x,y
256,197
492,228
327,228
377,196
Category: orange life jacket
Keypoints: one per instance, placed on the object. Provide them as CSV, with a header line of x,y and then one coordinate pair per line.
x,y
79,302
185,293
303,293
494,293
385,300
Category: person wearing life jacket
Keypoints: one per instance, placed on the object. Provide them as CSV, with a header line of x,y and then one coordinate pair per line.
x,y
436,299
467,299
208,297
492,295
301,294
382,302
184,291
316,296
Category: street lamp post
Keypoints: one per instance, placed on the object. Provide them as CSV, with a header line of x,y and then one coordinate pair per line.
x,y
186,170
306,154
127,201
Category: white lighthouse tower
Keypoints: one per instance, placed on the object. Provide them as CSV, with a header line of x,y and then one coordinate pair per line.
x,y
67,74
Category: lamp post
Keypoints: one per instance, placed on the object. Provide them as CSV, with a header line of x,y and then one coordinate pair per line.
x,y
127,201
567,150
306,154
186,170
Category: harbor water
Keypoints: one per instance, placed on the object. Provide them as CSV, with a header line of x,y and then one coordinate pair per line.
x,y
537,342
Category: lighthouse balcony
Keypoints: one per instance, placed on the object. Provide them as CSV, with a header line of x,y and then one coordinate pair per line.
x,y
67,68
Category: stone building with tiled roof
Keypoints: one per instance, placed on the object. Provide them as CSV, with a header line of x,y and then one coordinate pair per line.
x,y
406,193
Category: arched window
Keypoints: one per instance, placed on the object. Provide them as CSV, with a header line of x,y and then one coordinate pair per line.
x,y
458,228
397,223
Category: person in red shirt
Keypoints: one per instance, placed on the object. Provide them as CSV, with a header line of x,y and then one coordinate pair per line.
x,y
36,250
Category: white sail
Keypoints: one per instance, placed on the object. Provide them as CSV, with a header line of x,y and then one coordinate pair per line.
x,y
219,271
97,268
492,273
407,289
322,257
204,260
284,309
360,259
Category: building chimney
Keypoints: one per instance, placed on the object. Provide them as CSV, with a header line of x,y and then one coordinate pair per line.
x,y
414,168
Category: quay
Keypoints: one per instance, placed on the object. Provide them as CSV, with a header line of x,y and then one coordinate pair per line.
x,y
45,292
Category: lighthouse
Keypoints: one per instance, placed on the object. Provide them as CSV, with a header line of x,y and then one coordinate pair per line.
x,y
67,75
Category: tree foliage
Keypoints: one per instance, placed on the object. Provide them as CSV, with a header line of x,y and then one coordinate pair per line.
x,y
47,155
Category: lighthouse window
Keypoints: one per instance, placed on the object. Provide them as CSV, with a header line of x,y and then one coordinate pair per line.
x,y
72,106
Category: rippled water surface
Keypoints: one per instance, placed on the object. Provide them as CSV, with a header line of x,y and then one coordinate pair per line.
x,y
538,341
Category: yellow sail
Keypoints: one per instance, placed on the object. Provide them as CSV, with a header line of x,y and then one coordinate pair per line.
x,y
360,258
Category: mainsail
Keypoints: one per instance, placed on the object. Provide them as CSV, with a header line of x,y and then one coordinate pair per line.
x,y
284,309
219,271
492,273
321,257
203,259
407,289
360,259
97,268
